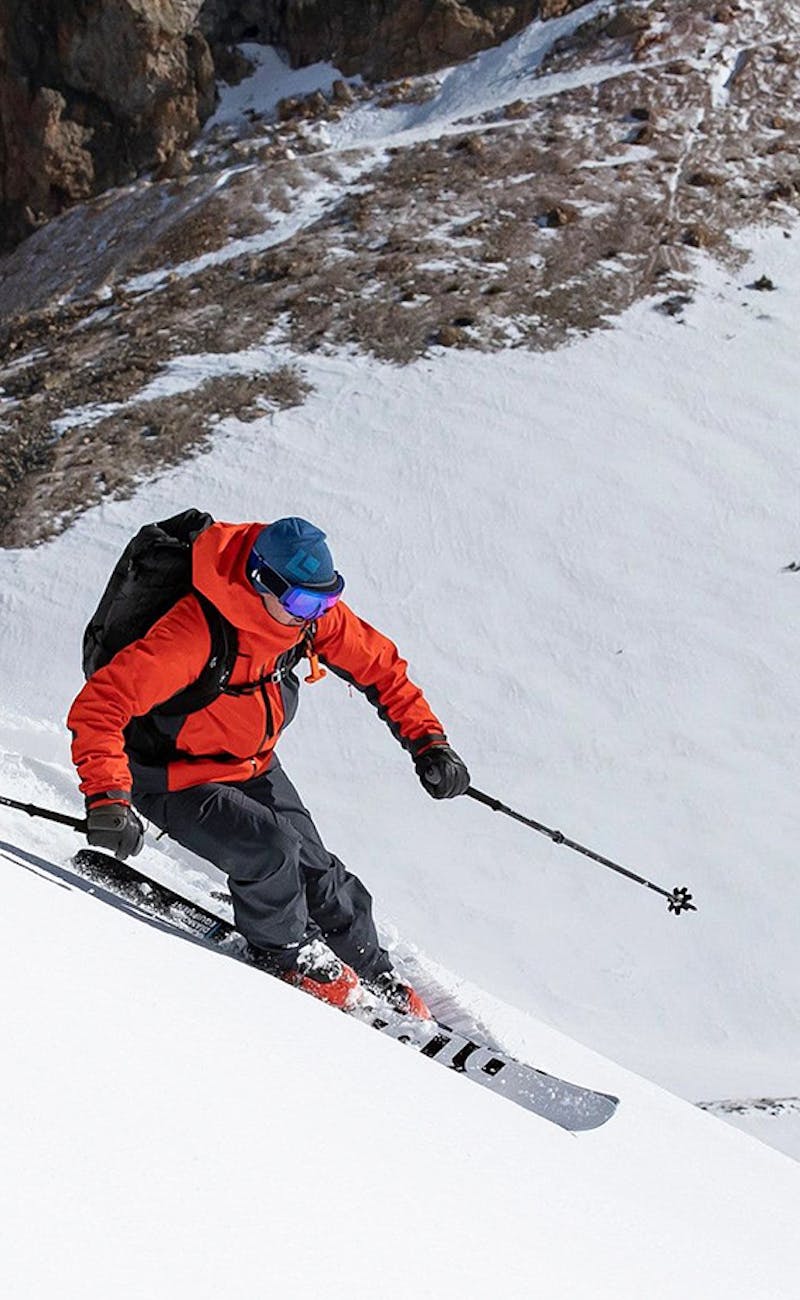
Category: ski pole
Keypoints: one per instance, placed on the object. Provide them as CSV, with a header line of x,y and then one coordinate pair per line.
x,y
32,809
678,900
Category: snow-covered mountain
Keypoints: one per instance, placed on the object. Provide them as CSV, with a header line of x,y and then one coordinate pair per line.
x,y
589,557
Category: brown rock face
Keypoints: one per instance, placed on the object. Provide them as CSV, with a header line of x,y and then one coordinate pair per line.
x,y
392,40
381,39
91,93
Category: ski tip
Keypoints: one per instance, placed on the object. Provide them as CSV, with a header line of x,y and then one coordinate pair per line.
x,y
592,1112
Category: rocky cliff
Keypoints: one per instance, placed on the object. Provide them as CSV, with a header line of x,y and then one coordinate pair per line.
x,y
91,93
94,92
380,39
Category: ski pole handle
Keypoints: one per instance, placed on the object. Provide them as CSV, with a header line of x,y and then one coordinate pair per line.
x,y
32,809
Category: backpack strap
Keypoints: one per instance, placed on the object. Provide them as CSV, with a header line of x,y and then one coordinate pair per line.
x,y
284,665
213,681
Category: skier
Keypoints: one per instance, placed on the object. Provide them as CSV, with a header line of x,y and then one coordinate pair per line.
x,y
211,778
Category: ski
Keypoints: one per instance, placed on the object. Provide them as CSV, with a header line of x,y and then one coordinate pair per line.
x,y
566,1104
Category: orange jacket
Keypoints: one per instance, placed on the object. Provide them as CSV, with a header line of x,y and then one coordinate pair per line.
x,y
232,739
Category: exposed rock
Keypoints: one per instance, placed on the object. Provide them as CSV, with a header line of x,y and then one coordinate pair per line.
x,y
381,39
178,164
561,214
781,191
230,64
342,94
703,179
450,336
628,22
678,68
556,8
40,153
471,144
308,107
698,235
763,284
674,305
517,108
92,94
407,91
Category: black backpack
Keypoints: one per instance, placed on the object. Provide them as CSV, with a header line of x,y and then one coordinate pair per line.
x,y
152,574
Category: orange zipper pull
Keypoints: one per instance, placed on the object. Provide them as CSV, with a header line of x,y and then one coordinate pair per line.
x,y
316,674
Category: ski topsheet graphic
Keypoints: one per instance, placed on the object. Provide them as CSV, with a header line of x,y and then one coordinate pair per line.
x,y
567,1104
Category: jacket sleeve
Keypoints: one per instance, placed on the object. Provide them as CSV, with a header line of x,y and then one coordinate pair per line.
x,y
146,673
369,661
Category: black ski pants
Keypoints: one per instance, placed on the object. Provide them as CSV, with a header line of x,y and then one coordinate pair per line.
x,y
284,883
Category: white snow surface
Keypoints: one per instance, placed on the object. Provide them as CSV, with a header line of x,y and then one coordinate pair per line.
x,y
176,1124
583,555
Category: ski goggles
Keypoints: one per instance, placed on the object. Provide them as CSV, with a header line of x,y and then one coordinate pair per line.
x,y
307,603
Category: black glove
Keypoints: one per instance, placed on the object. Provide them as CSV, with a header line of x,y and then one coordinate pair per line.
x,y
442,773
116,828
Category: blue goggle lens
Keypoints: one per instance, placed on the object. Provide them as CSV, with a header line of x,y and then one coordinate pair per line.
x,y
309,604
300,602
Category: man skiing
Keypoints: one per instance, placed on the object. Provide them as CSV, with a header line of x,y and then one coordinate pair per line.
x,y
210,778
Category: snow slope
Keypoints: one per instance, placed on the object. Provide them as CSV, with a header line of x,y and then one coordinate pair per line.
x,y
176,1124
